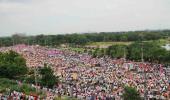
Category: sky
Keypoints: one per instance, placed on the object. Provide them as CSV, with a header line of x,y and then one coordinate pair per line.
x,y
76,16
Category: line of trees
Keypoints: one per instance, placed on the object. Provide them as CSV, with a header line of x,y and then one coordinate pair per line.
x,y
81,39
152,52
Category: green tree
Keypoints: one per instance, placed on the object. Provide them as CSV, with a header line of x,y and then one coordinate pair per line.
x,y
117,51
134,51
131,93
48,78
123,38
152,52
12,65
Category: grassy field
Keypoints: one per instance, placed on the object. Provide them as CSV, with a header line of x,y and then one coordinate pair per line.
x,y
161,42
107,44
6,84
76,49
64,98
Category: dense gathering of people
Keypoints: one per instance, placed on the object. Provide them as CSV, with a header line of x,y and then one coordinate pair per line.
x,y
87,78
15,95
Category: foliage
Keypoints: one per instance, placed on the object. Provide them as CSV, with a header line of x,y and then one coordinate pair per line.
x,y
48,78
152,52
27,89
98,52
64,98
117,51
12,85
81,39
30,78
131,93
12,65
45,77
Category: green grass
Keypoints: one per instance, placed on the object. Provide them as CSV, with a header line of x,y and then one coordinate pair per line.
x,y
12,85
161,42
76,49
64,98
107,44
6,83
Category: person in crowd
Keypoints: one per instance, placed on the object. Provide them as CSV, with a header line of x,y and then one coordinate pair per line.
x,y
88,78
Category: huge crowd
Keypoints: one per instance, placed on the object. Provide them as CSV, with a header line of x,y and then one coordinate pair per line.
x,y
87,78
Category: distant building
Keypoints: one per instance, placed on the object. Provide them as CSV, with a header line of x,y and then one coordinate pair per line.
x,y
167,47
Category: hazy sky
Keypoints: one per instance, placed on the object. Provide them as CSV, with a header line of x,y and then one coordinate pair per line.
x,y
67,16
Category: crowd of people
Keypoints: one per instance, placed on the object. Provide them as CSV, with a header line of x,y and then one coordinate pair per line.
x,y
87,78
15,95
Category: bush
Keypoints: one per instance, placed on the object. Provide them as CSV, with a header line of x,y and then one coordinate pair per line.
x,y
131,93
12,65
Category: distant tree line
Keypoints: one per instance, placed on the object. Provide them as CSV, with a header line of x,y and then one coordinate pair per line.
x,y
81,39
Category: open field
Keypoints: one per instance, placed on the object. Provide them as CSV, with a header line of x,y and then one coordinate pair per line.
x,y
107,44
162,41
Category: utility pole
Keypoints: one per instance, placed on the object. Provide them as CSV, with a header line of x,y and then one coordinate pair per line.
x,y
124,53
45,42
33,42
0,42
144,72
35,74
28,42
13,41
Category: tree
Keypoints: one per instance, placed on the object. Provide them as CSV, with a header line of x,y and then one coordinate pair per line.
x,y
18,38
166,59
123,38
116,51
131,93
134,51
48,78
152,52
82,39
12,65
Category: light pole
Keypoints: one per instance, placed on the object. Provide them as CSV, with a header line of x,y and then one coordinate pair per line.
x,y
124,54
144,72
35,74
